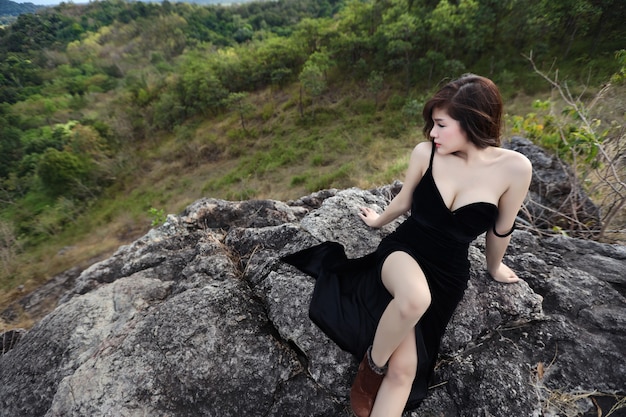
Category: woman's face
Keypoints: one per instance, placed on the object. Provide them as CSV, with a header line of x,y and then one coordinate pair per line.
x,y
447,133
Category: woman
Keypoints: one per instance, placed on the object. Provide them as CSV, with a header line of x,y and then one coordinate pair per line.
x,y
401,297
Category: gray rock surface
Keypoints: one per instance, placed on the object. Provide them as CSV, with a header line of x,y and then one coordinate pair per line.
x,y
200,318
555,198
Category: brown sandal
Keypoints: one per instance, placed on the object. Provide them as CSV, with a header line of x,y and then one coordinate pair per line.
x,y
366,385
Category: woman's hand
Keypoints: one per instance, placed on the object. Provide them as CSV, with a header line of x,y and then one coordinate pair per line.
x,y
504,274
369,216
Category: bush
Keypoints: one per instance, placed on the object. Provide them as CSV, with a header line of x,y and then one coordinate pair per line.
x,y
60,172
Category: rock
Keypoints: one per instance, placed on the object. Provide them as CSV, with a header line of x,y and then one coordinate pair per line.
x,y
199,317
554,198
218,214
10,339
197,352
43,299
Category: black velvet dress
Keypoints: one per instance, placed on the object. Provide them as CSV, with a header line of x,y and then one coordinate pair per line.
x,y
349,296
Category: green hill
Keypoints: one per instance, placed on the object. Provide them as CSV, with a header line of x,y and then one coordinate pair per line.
x,y
9,11
11,8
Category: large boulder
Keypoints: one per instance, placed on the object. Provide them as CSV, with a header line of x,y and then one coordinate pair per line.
x,y
200,318
555,198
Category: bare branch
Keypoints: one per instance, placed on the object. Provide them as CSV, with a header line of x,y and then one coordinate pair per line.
x,y
602,173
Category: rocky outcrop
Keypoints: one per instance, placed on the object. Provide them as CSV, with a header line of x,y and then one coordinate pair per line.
x,y
200,318
43,299
555,198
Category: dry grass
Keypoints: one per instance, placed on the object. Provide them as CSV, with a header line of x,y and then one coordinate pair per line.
x,y
557,402
575,404
43,263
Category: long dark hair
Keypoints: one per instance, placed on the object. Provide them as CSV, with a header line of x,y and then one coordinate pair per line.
x,y
475,102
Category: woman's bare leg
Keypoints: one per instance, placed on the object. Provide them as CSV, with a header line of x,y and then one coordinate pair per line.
x,y
406,282
396,386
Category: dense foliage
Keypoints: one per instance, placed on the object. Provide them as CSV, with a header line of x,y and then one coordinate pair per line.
x,y
83,86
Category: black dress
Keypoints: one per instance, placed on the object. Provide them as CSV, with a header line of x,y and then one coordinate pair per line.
x,y
349,296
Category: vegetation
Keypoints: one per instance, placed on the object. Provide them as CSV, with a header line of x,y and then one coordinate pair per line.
x,y
114,113
592,141
9,10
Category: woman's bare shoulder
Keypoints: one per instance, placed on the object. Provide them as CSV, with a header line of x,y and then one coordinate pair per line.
x,y
514,162
515,171
423,150
419,160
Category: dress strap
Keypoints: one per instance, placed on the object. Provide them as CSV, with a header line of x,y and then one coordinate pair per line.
x,y
432,154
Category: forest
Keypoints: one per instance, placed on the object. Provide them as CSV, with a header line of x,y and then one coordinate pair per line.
x,y
9,10
115,113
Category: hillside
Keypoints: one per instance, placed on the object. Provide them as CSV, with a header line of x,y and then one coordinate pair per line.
x,y
114,114
11,8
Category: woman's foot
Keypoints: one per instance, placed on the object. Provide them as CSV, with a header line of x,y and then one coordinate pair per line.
x,y
366,385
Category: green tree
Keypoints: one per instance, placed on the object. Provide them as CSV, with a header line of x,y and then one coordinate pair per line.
x,y
239,102
21,72
280,76
454,38
565,20
11,148
199,89
402,33
87,143
313,34
275,59
168,111
243,30
61,172
164,33
322,60
313,82
353,42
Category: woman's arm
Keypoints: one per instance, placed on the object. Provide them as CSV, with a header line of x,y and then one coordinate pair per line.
x,y
520,172
401,203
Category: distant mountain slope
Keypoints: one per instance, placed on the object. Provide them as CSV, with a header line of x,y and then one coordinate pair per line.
x,y
222,2
11,8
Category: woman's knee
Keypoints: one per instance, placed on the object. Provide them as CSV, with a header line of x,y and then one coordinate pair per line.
x,y
413,306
